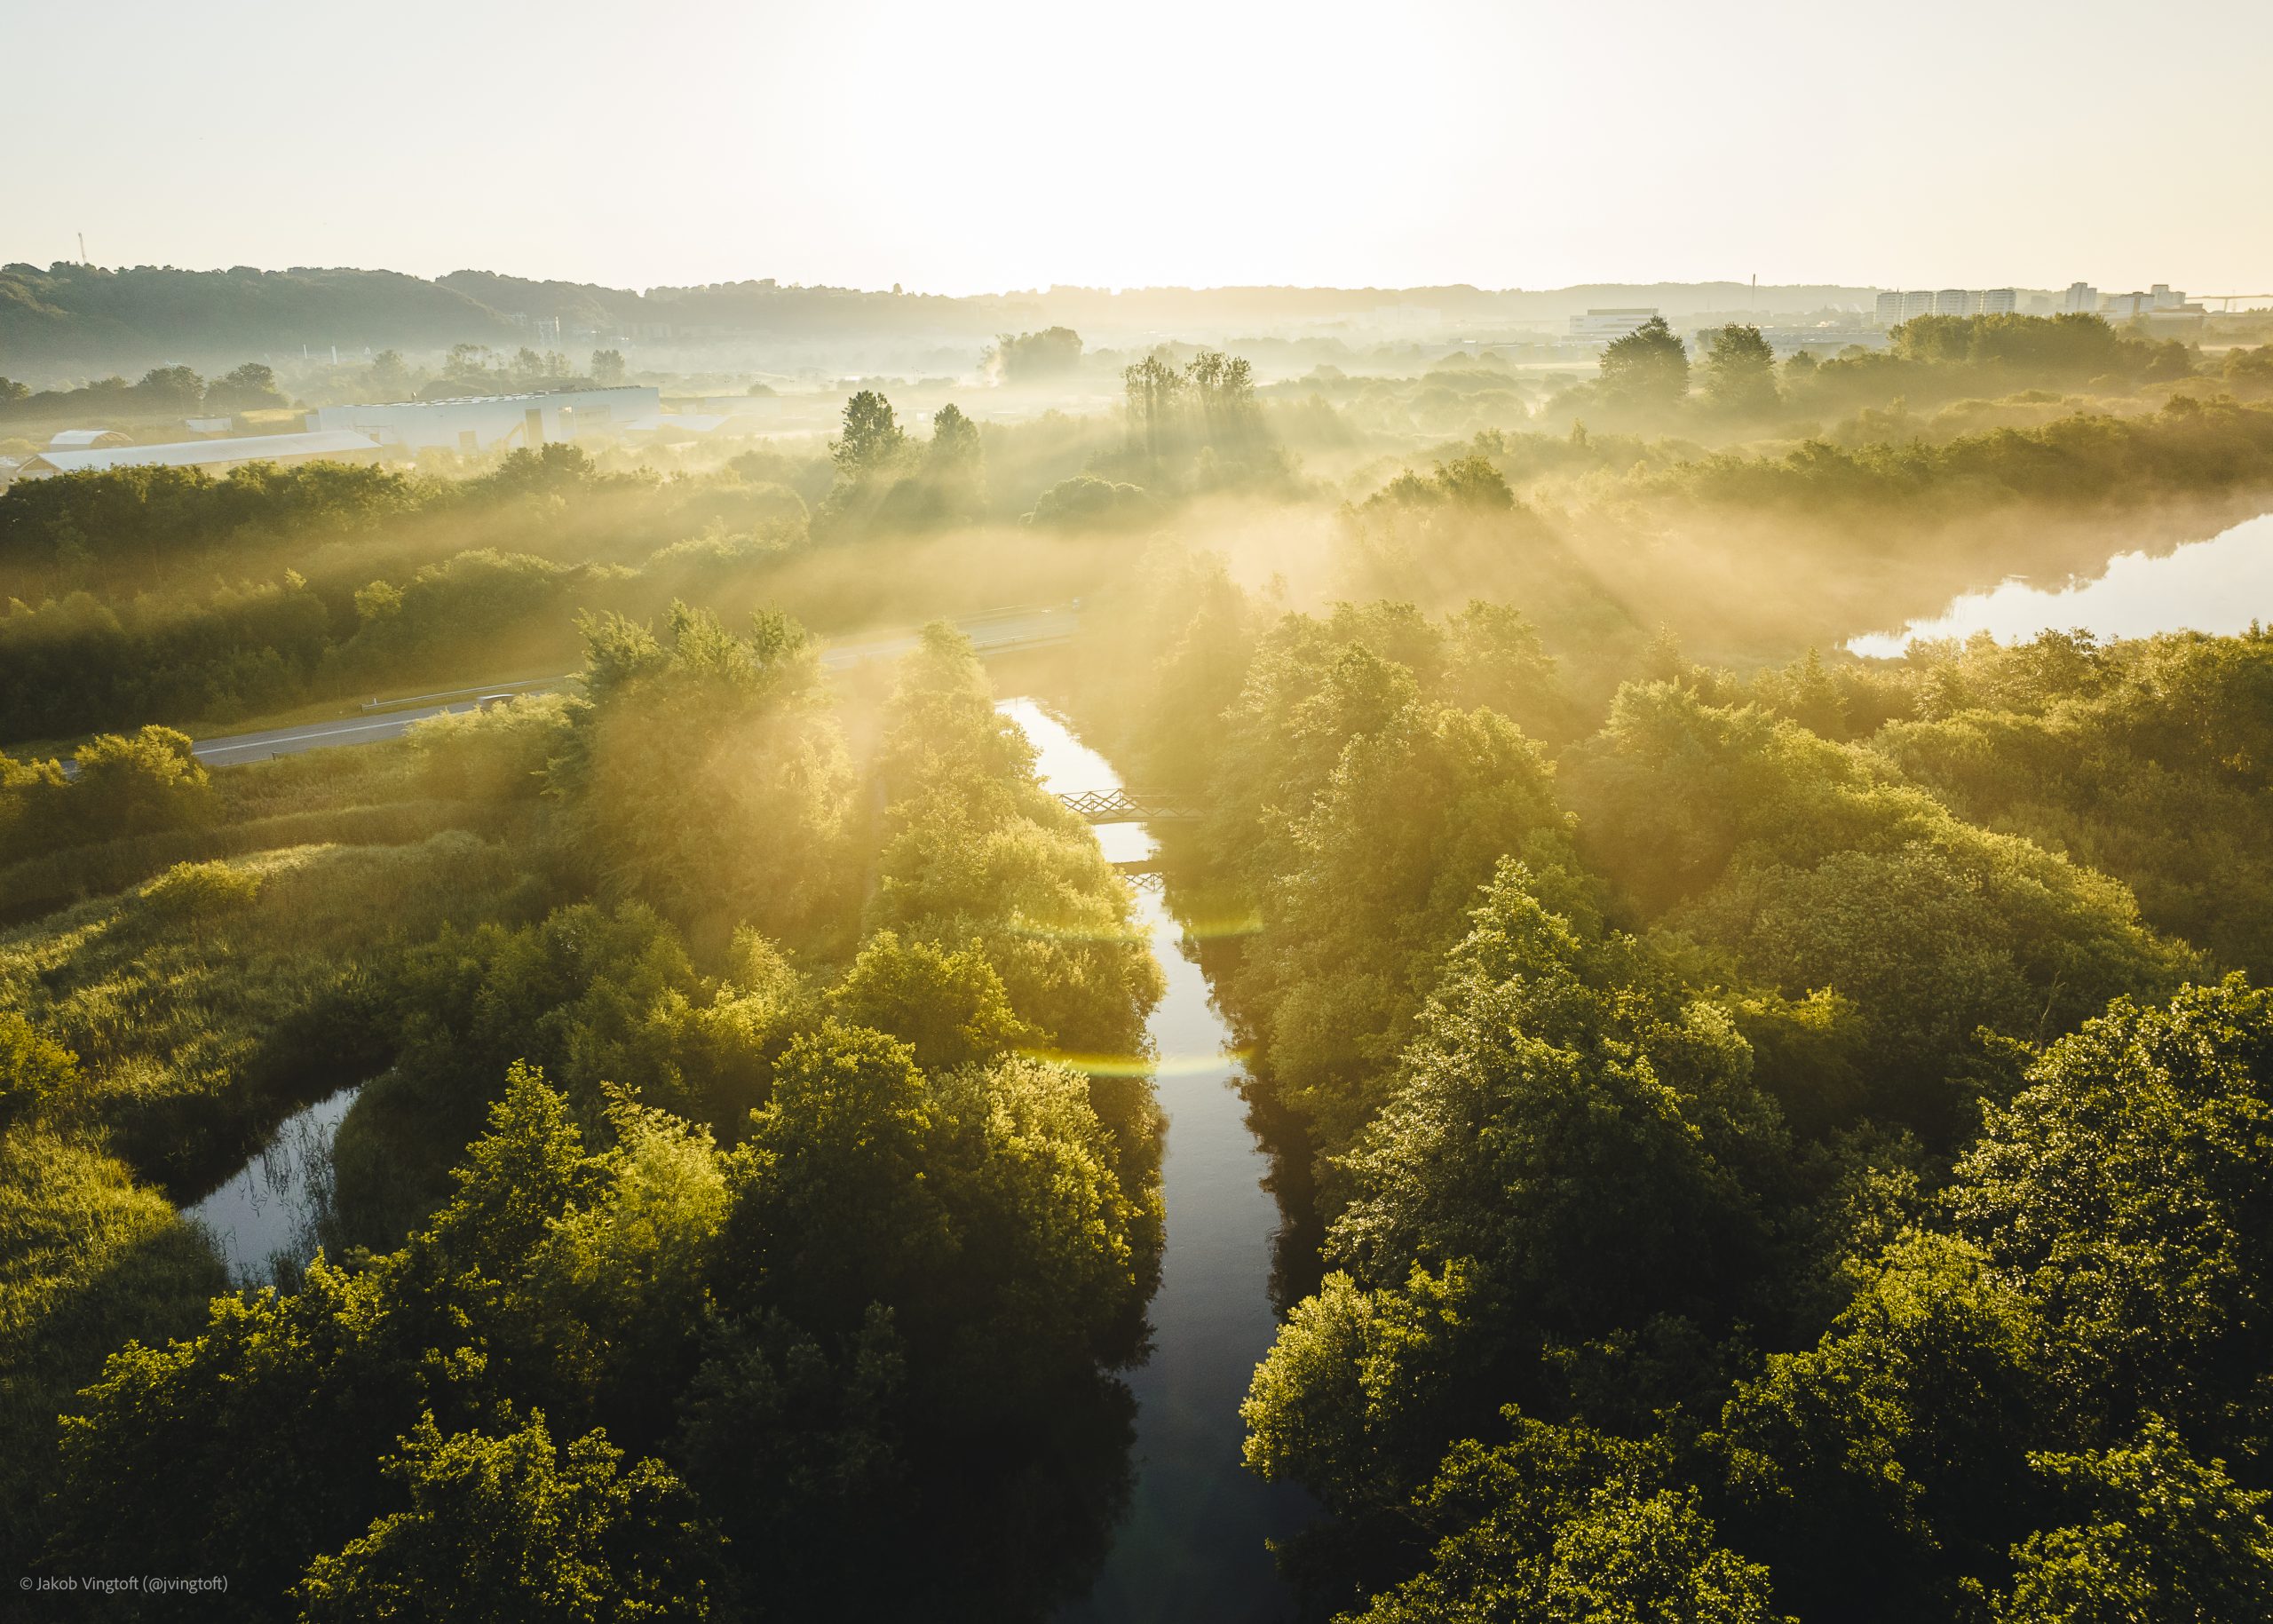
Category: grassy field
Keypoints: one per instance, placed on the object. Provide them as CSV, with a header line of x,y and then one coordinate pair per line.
x,y
201,1004
208,980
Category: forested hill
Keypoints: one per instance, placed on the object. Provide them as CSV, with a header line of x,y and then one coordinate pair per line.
x,y
73,319
88,317
82,318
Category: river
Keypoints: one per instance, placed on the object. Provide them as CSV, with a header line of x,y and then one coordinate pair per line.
x,y
2218,586
1193,1543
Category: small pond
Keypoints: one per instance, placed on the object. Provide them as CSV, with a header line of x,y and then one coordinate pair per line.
x,y
272,1206
2218,586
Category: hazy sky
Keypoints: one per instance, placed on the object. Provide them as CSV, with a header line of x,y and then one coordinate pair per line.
x,y
995,144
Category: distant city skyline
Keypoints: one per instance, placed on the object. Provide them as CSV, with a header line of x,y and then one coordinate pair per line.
x,y
1006,146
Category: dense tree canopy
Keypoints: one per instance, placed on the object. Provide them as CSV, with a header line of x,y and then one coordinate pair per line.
x,y
1752,1144
1754,1174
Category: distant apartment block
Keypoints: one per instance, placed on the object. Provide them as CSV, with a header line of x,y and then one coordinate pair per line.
x,y
2160,297
2081,299
1896,307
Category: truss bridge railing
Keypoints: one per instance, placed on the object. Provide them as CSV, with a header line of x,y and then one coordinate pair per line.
x,y
1125,807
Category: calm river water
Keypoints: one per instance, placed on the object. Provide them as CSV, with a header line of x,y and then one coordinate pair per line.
x,y
1191,1546
2217,586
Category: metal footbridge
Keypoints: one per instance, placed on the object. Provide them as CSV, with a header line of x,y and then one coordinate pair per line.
x,y
1126,806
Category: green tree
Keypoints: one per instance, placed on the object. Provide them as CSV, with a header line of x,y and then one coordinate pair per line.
x,y
2164,1539
607,368
1740,371
1362,1389
1647,367
1879,1470
708,778
1022,358
389,376
171,389
798,1446
954,466
464,365
1495,659
251,387
138,785
834,1206
509,1527
1567,1525
1797,855
174,1456
1153,391
872,439
1473,482
2131,1185
1224,387
976,849
1551,1047
949,1007
1415,814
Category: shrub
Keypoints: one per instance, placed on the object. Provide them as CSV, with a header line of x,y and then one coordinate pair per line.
x,y
196,890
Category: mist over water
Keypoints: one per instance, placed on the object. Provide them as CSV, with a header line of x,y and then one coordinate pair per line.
x,y
2219,586
1194,1542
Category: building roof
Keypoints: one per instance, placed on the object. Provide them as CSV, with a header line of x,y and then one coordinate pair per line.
x,y
82,440
203,453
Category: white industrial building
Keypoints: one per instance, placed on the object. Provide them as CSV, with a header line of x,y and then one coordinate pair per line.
x,y
1609,323
213,455
486,422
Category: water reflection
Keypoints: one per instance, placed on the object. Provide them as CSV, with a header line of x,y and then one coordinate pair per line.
x,y
266,1219
2218,586
1193,1542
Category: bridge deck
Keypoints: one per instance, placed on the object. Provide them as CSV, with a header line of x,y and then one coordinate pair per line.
x,y
1121,806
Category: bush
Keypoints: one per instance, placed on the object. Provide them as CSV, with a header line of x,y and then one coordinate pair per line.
x,y
34,1068
199,890
1087,502
493,755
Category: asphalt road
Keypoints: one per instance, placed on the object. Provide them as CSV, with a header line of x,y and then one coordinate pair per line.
x,y
988,633
232,749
